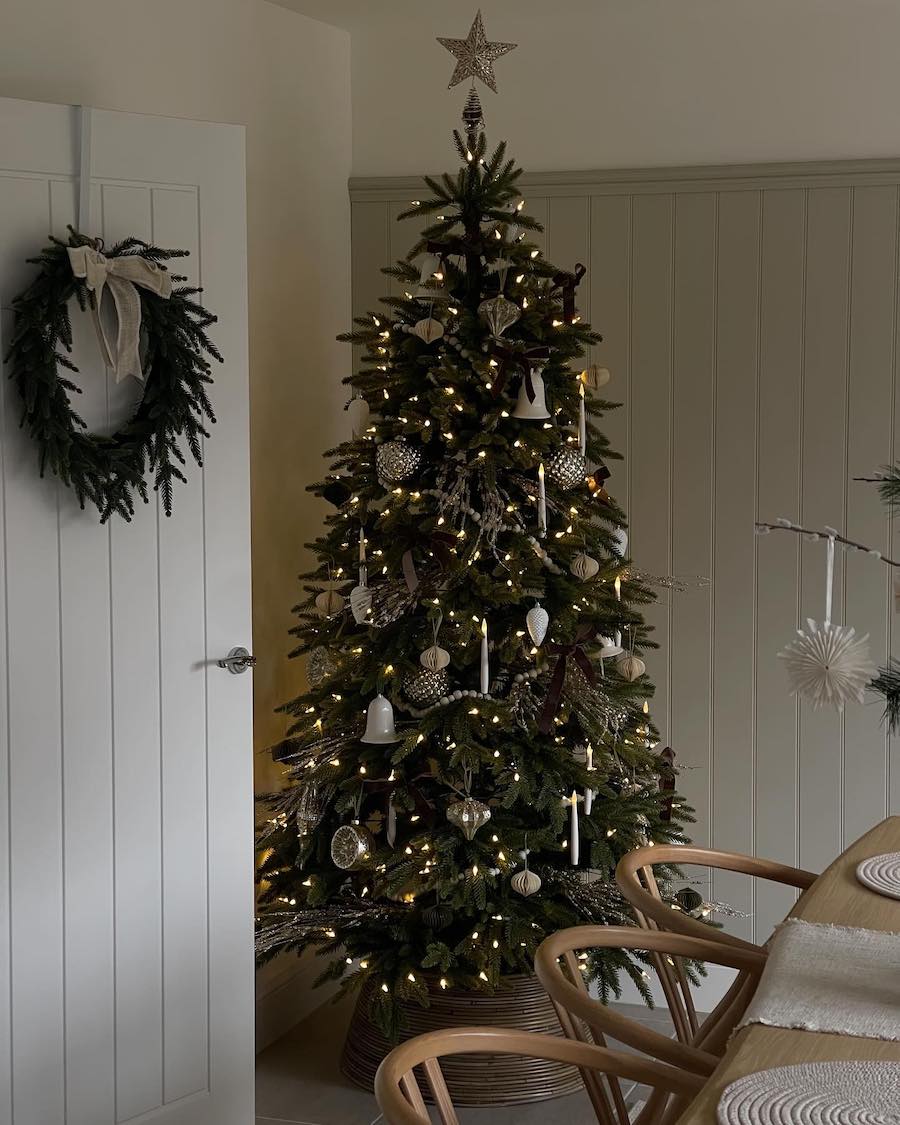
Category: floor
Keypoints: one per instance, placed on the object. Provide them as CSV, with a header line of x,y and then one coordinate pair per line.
x,y
298,1081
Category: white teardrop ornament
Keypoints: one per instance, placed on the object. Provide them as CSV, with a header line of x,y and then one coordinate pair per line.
x,y
537,622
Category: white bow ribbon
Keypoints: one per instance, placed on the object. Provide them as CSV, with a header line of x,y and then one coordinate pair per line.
x,y
121,274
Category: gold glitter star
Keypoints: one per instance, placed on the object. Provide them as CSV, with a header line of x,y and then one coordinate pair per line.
x,y
476,57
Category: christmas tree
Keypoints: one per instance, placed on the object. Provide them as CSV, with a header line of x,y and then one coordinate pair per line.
x,y
475,750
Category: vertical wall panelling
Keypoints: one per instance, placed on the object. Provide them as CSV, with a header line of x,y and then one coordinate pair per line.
x,y
608,258
825,489
691,547
650,469
749,318
733,512
778,555
867,581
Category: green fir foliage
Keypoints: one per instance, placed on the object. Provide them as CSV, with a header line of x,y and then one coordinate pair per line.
x,y
436,906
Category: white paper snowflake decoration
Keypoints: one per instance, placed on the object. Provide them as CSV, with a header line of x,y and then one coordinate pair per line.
x,y
828,664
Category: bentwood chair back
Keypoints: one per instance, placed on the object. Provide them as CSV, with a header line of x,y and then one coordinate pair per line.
x,y
400,1097
560,963
638,884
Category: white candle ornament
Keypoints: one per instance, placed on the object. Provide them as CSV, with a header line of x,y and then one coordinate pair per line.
x,y
485,665
582,422
542,502
574,842
589,793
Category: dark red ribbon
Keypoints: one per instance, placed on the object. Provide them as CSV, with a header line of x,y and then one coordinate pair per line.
x,y
558,679
511,357
568,283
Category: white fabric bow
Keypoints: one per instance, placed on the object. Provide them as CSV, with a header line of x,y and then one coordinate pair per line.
x,y
121,274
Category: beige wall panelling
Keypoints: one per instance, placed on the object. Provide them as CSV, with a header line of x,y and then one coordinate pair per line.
x,y
823,500
609,269
651,405
873,295
782,293
731,317
691,553
733,514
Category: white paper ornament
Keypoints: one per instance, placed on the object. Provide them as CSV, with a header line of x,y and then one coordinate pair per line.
x,y
630,667
537,622
428,330
359,413
329,603
597,376
828,664
435,658
584,567
361,604
525,883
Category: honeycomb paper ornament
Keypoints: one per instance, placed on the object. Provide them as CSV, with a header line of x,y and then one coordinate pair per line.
x,y
566,467
584,567
428,330
396,461
425,688
828,665
525,883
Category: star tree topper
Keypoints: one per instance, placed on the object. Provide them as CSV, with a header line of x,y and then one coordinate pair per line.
x,y
476,56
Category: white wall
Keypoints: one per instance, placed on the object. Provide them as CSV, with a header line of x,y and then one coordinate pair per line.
x,y
623,83
286,77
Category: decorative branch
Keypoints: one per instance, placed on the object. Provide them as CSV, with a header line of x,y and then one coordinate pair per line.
x,y
826,533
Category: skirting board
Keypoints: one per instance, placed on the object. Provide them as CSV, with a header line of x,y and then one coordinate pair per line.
x,y
285,995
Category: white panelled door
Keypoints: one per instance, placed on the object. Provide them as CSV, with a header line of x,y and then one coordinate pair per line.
x,y
125,752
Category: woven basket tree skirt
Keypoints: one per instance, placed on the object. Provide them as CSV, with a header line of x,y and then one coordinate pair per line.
x,y
473,1080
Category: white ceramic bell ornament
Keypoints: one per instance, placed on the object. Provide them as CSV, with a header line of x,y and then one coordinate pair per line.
x,y
536,409
380,722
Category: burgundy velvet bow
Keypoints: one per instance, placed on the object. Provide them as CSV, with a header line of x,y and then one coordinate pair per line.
x,y
568,283
511,357
554,692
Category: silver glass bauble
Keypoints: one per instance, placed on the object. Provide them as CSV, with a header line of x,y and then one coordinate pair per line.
x,y
468,816
500,313
438,916
319,666
396,461
352,847
566,467
425,688
309,810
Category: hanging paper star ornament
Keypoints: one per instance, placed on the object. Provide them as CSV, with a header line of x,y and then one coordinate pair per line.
x,y
476,56
828,664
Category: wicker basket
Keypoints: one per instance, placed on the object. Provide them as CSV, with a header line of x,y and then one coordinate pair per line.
x,y
473,1080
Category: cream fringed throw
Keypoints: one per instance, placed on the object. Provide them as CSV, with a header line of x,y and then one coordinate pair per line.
x,y
830,978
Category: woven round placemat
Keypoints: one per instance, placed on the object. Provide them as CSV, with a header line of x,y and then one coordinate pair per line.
x,y
881,873
823,1093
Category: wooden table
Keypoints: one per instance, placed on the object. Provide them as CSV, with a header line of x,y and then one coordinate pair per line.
x,y
837,897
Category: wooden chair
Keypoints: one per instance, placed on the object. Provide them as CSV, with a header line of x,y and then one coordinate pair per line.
x,y
638,884
400,1097
585,1019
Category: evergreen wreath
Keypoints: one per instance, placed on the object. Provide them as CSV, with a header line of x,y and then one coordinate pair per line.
x,y
110,471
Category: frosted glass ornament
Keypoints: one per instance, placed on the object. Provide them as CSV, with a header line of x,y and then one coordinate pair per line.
x,y
359,414
361,604
500,313
537,622
468,816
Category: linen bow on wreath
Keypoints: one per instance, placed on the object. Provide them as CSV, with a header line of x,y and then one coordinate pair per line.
x,y
554,692
121,274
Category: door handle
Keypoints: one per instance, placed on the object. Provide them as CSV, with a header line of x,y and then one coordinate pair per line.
x,y
237,661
